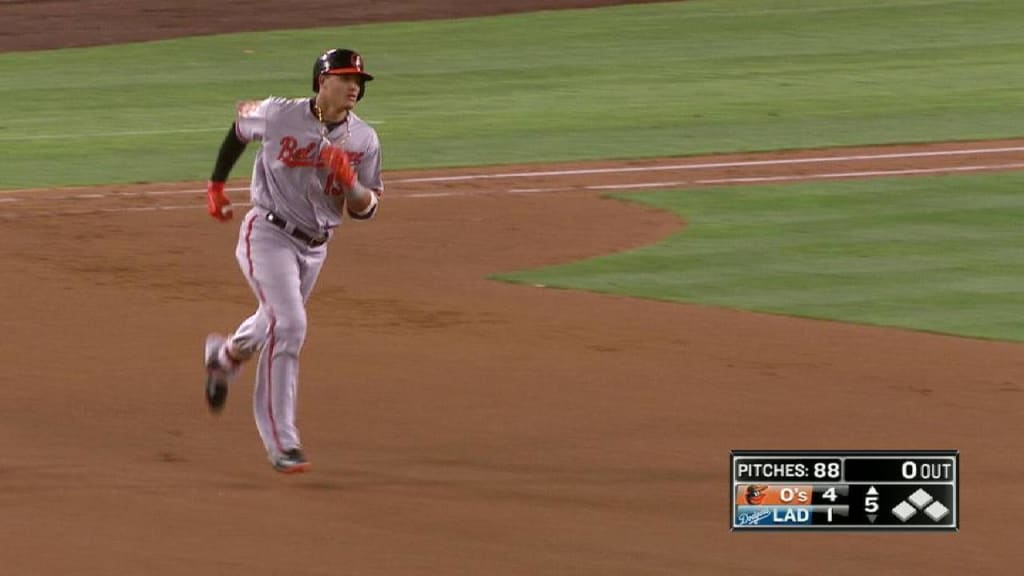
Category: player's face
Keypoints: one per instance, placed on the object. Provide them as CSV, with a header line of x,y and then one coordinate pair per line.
x,y
340,90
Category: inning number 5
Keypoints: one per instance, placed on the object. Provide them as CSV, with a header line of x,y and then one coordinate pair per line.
x,y
871,504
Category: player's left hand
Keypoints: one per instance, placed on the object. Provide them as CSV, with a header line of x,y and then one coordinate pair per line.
x,y
339,164
217,202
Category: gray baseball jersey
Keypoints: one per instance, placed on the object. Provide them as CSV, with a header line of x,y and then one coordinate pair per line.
x,y
287,177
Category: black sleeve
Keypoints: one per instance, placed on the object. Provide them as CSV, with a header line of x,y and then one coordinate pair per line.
x,y
230,151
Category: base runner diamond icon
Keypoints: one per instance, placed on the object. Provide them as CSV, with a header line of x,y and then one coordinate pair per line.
x,y
937,511
904,511
920,498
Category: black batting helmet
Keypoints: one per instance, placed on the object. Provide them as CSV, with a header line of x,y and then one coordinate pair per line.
x,y
340,61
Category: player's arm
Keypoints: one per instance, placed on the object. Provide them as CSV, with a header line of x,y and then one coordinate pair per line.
x,y
362,204
249,125
231,150
360,200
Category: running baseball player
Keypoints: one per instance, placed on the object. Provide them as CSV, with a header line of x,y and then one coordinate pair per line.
x,y
317,161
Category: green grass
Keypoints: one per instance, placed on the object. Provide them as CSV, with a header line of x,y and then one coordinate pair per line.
x,y
631,81
938,254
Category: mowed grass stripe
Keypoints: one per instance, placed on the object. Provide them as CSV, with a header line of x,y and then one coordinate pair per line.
x,y
631,81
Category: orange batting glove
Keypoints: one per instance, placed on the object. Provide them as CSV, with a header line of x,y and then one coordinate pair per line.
x,y
217,202
337,161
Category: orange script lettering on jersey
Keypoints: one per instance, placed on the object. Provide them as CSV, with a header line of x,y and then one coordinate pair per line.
x,y
292,156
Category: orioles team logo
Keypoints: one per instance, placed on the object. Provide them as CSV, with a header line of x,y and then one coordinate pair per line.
x,y
295,155
755,494
357,61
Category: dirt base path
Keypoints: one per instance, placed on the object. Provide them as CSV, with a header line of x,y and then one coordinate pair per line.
x,y
459,425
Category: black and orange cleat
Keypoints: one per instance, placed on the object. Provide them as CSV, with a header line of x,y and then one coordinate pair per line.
x,y
217,376
292,461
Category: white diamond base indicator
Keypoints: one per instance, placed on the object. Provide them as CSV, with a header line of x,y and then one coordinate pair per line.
x,y
936,511
904,511
920,498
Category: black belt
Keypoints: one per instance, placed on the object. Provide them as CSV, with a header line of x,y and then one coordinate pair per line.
x,y
283,225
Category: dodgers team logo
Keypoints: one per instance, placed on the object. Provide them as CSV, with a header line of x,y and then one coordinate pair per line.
x,y
751,516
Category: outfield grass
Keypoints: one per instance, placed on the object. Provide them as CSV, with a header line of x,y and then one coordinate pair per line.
x,y
630,81
939,254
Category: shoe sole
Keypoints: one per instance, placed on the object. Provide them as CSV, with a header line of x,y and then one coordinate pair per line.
x,y
293,469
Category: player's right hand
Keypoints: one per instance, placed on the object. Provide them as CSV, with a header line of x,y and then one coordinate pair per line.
x,y
217,202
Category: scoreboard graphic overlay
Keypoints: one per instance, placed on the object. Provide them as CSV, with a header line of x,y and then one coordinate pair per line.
x,y
845,490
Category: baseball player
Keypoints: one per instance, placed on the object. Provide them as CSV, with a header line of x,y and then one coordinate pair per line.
x,y
317,161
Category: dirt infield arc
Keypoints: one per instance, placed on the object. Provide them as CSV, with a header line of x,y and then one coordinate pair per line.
x,y
459,425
